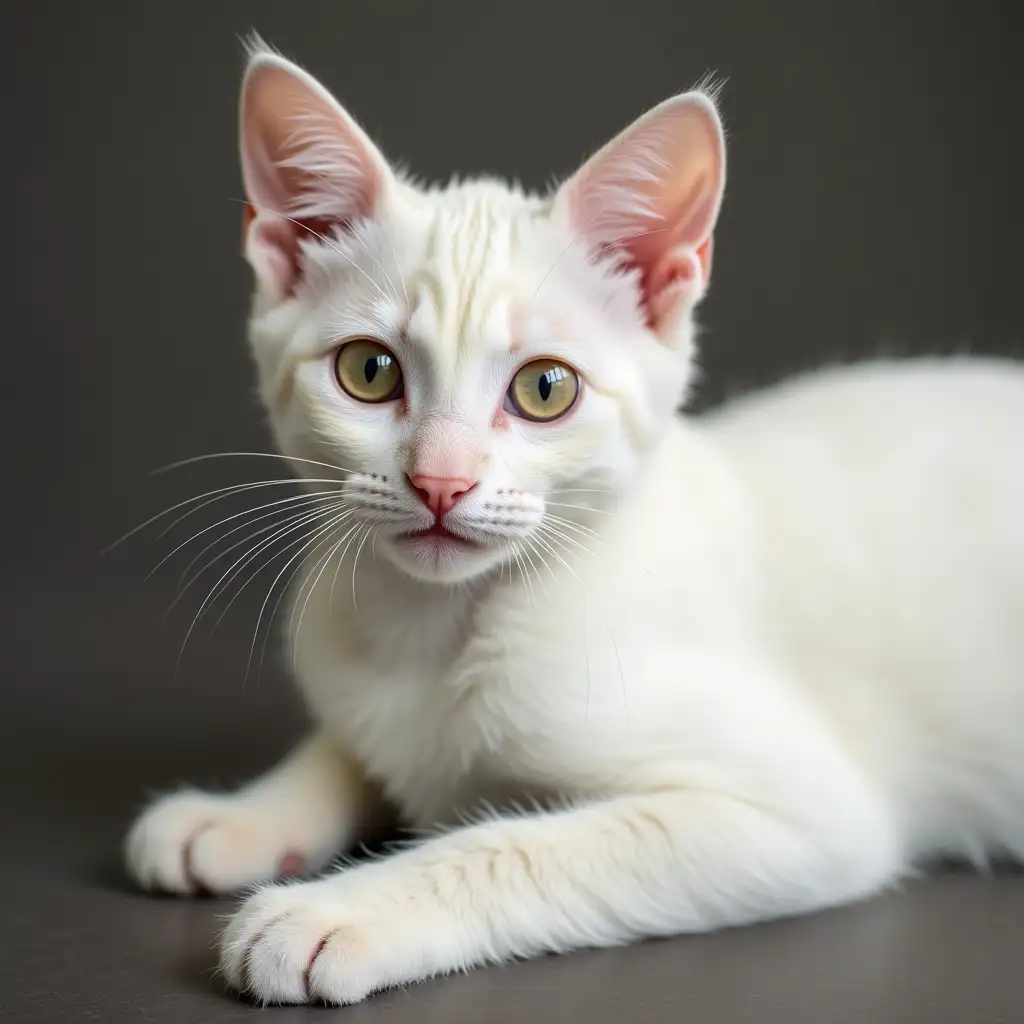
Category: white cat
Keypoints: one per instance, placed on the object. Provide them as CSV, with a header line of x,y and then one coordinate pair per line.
x,y
680,674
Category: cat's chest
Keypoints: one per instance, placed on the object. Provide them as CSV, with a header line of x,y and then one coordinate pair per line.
x,y
441,713
434,753
503,696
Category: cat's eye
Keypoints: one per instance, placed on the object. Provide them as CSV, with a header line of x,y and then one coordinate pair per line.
x,y
368,371
543,390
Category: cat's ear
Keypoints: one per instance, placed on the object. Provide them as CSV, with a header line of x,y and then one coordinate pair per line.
x,y
651,196
307,166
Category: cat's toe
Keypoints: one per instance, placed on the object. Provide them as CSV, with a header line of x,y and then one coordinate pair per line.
x,y
295,944
193,843
269,946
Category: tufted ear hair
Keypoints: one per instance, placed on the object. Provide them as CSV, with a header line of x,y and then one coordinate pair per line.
x,y
307,167
653,194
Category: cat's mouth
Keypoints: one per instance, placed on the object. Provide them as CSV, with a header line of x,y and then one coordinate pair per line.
x,y
438,534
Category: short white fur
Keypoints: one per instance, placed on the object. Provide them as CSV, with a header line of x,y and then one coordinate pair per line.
x,y
696,672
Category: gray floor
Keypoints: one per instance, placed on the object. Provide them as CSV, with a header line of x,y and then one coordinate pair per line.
x,y
80,748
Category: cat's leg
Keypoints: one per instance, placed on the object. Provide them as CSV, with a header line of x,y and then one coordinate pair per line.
x,y
674,861
289,821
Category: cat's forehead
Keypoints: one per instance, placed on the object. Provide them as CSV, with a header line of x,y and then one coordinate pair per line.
x,y
475,266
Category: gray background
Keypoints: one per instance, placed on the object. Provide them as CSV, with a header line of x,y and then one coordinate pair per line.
x,y
875,204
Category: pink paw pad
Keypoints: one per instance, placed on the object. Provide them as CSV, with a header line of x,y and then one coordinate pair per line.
x,y
291,865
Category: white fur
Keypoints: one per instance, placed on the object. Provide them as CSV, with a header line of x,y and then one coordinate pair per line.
x,y
761,663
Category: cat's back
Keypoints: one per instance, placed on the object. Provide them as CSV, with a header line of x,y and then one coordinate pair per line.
x,y
890,506
895,486
900,435
871,397
917,449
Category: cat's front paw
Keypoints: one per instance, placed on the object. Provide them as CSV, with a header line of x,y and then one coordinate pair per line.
x,y
195,842
321,942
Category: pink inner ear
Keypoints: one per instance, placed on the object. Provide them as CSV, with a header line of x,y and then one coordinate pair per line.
x,y
652,195
308,168
664,282
670,277
681,211
272,245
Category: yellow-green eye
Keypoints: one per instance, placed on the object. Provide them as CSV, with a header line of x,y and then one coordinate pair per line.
x,y
368,371
543,390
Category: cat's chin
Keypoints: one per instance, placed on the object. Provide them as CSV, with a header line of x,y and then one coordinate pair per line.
x,y
433,558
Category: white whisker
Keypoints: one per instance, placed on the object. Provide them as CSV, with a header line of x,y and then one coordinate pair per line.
x,y
293,500
327,241
557,531
304,541
210,596
541,539
568,524
252,648
380,266
321,565
611,637
337,569
239,489
398,270
525,575
310,546
303,515
291,524
581,508
285,587
303,508
355,562
586,616
529,557
247,455
606,246
220,492
579,527
532,545
551,269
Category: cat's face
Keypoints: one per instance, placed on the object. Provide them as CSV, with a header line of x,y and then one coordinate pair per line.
x,y
484,368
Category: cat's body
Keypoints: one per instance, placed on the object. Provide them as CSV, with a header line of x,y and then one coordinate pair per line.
x,y
837,594
878,648
679,674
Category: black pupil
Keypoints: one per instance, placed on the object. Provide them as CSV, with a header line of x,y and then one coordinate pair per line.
x,y
548,379
372,365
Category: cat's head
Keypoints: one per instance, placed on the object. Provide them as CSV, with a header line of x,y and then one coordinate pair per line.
x,y
483,366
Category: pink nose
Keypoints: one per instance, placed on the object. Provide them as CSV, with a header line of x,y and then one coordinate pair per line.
x,y
440,493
